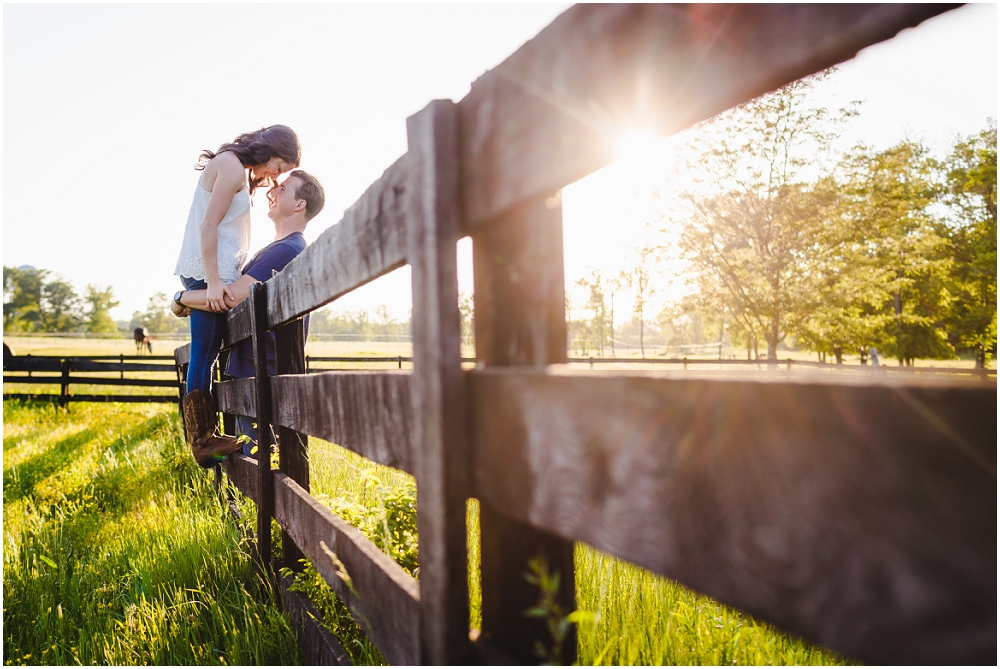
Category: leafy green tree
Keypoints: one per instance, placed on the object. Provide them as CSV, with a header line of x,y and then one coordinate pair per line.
x,y
99,305
22,299
891,194
971,193
61,306
762,220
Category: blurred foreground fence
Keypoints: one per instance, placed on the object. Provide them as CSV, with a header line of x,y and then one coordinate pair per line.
x,y
858,512
64,371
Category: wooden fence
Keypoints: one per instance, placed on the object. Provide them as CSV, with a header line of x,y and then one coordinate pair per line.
x,y
59,370
858,513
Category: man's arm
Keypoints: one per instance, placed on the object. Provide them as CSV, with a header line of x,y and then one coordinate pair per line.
x,y
198,299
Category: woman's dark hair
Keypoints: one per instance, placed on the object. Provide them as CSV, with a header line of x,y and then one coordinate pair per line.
x,y
258,147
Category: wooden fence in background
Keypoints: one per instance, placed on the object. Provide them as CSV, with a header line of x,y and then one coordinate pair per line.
x,y
58,370
858,513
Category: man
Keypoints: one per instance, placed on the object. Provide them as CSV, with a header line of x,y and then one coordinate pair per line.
x,y
292,204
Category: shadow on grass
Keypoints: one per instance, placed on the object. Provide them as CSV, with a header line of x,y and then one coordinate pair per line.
x,y
61,454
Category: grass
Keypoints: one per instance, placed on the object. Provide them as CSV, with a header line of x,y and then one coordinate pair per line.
x,y
115,548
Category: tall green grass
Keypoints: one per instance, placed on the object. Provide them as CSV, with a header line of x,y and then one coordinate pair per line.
x,y
116,550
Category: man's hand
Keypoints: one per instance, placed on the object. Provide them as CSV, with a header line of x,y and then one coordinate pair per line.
x,y
215,296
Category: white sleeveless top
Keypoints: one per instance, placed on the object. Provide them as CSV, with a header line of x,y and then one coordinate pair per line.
x,y
234,237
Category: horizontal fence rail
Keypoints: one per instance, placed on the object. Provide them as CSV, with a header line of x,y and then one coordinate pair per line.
x,y
786,364
856,510
30,366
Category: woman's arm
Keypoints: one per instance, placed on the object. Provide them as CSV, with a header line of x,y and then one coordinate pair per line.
x,y
198,299
229,178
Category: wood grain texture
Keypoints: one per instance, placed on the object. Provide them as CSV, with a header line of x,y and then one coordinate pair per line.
x,y
860,516
262,393
383,598
369,241
552,112
238,324
236,396
319,648
438,390
242,471
369,413
293,447
520,321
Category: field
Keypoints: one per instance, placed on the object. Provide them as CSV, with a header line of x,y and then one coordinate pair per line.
x,y
118,552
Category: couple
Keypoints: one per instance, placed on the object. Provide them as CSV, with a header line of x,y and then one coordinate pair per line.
x,y
216,241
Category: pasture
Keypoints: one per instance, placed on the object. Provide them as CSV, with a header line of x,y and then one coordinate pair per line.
x,y
117,551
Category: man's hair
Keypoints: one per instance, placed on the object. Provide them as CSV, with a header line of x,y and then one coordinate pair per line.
x,y
310,190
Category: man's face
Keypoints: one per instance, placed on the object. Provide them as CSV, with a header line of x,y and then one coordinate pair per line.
x,y
281,199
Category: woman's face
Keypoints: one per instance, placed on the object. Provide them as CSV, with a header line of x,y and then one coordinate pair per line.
x,y
272,169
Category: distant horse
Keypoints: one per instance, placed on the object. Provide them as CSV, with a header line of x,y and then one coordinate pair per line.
x,y
142,341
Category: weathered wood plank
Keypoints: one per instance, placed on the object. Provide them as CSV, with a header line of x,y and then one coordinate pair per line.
x,y
242,471
520,321
293,447
236,396
238,324
78,365
438,391
182,354
262,394
552,112
859,514
369,413
319,648
369,241
26,363
93,381
133,399
382,597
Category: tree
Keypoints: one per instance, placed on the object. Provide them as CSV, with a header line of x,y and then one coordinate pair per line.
x,y
891,193
99,306
22,299
971,193
61,308
762,221
639,279
601,323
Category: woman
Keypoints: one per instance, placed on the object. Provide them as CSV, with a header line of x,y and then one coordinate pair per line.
x,y
216,241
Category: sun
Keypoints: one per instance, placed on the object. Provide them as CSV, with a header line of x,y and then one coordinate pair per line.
x,y
639,151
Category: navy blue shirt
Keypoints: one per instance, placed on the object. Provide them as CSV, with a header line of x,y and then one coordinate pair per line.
x,y
265,263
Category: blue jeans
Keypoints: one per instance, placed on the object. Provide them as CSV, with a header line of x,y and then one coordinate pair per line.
x,y
207,329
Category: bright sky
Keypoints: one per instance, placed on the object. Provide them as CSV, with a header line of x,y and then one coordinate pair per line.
x,y
106,108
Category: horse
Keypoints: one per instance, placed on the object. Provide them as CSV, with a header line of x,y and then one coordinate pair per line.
x,y
142,341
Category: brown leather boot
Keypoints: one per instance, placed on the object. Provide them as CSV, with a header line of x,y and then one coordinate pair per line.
x,y
207,446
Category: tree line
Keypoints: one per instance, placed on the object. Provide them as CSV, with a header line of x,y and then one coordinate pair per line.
x,y
788,241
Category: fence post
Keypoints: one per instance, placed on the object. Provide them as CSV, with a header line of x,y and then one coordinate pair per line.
x,y
262,383
439,398
64,385
293,447
520,320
